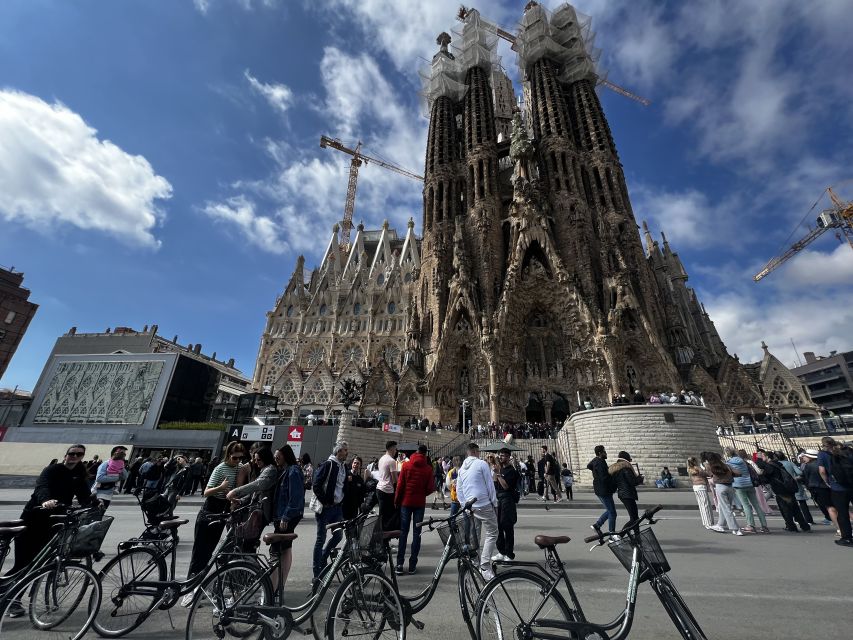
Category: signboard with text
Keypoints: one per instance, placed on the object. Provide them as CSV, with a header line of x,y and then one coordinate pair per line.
x,y
392,428
295,435
257,433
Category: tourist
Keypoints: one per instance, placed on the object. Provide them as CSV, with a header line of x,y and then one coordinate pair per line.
x,y
666,480
785,488
551,472
604,488
800,495
307,471
814,483
745,491
133,475
723,477
109,474
415,483
626,478
699,479
475,481
531,474
507,482
757,481
178,483
568,480
289,507
638,397
196,475
259,493
207,533
385,487
152,476
451,480
654,398
438,474
328,489
354,490
832,454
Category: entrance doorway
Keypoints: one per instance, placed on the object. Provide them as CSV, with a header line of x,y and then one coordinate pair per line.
x,y
534,412
560,410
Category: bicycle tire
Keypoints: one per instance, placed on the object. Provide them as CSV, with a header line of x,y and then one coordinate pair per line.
x,y
500,606
362,593
677,609
226,585
45,592
120,614
73,624
470,585
321,611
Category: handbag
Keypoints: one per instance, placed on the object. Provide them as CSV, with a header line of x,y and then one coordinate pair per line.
x,y
315,505
251,527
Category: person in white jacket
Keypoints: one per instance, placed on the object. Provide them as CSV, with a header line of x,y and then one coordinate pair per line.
x,y
475,481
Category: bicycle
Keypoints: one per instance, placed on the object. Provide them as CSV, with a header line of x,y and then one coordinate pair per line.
x,y
346,607
137,581
241,600
46,595
522,603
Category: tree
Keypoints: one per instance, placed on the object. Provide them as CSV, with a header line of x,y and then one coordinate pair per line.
x,y
351,392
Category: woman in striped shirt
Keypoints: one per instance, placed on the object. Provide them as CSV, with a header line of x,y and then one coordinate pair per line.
x,y
207,534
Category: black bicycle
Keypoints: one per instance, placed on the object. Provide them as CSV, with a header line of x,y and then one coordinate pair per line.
x,y
48,593
527,604
138,581
236,601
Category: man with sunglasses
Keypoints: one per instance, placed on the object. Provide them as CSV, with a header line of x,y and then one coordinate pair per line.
x,y
57,485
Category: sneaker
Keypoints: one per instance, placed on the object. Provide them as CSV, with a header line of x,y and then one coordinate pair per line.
x,y
844,542
487,574
737,532
748,529
717,528
187,600
825,521
399,571
413,570
596,528
16,610
499,557
764,530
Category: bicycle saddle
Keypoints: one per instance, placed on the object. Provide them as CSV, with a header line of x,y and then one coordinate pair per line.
x,y
543,541
270,538
172,524
11,532
390,535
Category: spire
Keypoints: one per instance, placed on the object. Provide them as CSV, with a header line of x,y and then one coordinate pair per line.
x,y
648,238
666,248
765,347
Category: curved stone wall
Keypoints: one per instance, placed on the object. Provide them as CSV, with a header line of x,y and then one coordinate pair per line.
x,y
654,435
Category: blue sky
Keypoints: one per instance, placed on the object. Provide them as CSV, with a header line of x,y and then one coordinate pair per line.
x,y
159,160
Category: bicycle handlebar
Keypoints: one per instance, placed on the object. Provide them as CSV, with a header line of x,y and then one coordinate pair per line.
x,y
469,504
602,537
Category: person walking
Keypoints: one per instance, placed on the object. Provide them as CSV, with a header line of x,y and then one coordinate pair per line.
x,y
109,474
415,483
530,472
289,506
196,475
604,488
814,483
800,495
785,488
385,487
745,491
833,461
723,477
507,489
626,478
328,489
568,481
207,533
699,479
439,474
475,481
551,474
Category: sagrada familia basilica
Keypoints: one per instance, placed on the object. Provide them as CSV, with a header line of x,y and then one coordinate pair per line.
x,y
531,287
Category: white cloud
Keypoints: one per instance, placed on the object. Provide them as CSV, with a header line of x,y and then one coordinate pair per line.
x,y
240,212
203,6
279,96
55,170
819,268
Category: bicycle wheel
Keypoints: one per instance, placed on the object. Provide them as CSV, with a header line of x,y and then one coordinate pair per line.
x,y
67,585
321,612
677,609
366,605
212,613
515,600
126,606
470,586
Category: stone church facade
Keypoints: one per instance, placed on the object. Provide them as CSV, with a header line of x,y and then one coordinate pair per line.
x,y
530,287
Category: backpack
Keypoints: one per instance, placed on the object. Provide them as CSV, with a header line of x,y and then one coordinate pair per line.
x,y
842,467
787,480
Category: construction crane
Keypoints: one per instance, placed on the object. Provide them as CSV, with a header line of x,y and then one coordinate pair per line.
x,y
358,159
506,35
839,216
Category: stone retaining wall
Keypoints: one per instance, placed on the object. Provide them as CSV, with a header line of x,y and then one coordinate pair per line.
x,y
654,435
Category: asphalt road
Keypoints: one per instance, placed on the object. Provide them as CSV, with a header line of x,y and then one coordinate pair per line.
x,y
758,586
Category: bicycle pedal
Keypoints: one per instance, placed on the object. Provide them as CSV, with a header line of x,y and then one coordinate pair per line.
x,y
418,624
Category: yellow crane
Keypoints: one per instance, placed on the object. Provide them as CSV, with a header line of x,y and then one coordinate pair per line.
x,y
506,35
358,158
838,216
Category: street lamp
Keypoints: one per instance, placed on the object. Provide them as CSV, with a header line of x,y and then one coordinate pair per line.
x,y
465,404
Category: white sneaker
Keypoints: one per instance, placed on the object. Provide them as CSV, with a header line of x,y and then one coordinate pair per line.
x,y
487,574
717,528
499,557
737,532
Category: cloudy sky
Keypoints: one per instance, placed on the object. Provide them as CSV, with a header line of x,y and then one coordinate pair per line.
x,y
159,159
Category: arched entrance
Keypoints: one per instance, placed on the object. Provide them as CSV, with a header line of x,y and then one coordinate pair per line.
x,y
560,409
534,412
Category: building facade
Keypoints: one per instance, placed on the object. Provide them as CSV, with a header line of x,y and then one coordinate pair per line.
x,y
530,288
16,311
829,380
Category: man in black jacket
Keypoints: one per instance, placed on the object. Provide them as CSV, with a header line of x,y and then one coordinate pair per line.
x,y
602,485
785,488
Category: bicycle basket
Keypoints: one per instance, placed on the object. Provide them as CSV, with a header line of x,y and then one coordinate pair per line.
x,y
369,538
469,532
653,555
90,537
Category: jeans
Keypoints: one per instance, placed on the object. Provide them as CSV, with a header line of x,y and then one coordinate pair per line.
x,y
749,499
489,534
329,515
725,496
609,514
665,483
410,516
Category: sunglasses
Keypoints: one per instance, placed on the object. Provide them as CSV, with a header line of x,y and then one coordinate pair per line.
x,y
76,454
237,455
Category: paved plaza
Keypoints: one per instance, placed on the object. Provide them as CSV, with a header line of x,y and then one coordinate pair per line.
x,y
746,587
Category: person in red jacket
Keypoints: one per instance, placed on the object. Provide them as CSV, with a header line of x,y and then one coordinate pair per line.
x,y
413,486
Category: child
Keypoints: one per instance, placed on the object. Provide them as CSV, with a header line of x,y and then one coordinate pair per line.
x,y
568,480
115,467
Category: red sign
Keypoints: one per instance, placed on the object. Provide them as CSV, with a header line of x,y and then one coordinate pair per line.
x,y
294,434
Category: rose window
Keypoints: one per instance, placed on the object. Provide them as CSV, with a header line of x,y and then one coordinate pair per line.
x,y
282,356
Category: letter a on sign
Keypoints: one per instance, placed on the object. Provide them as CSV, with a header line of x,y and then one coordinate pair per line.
x,y
235,432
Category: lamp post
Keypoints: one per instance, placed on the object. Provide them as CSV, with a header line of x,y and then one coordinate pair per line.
x,y
465,404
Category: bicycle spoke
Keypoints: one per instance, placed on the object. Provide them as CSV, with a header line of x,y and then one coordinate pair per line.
x,y
516,604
